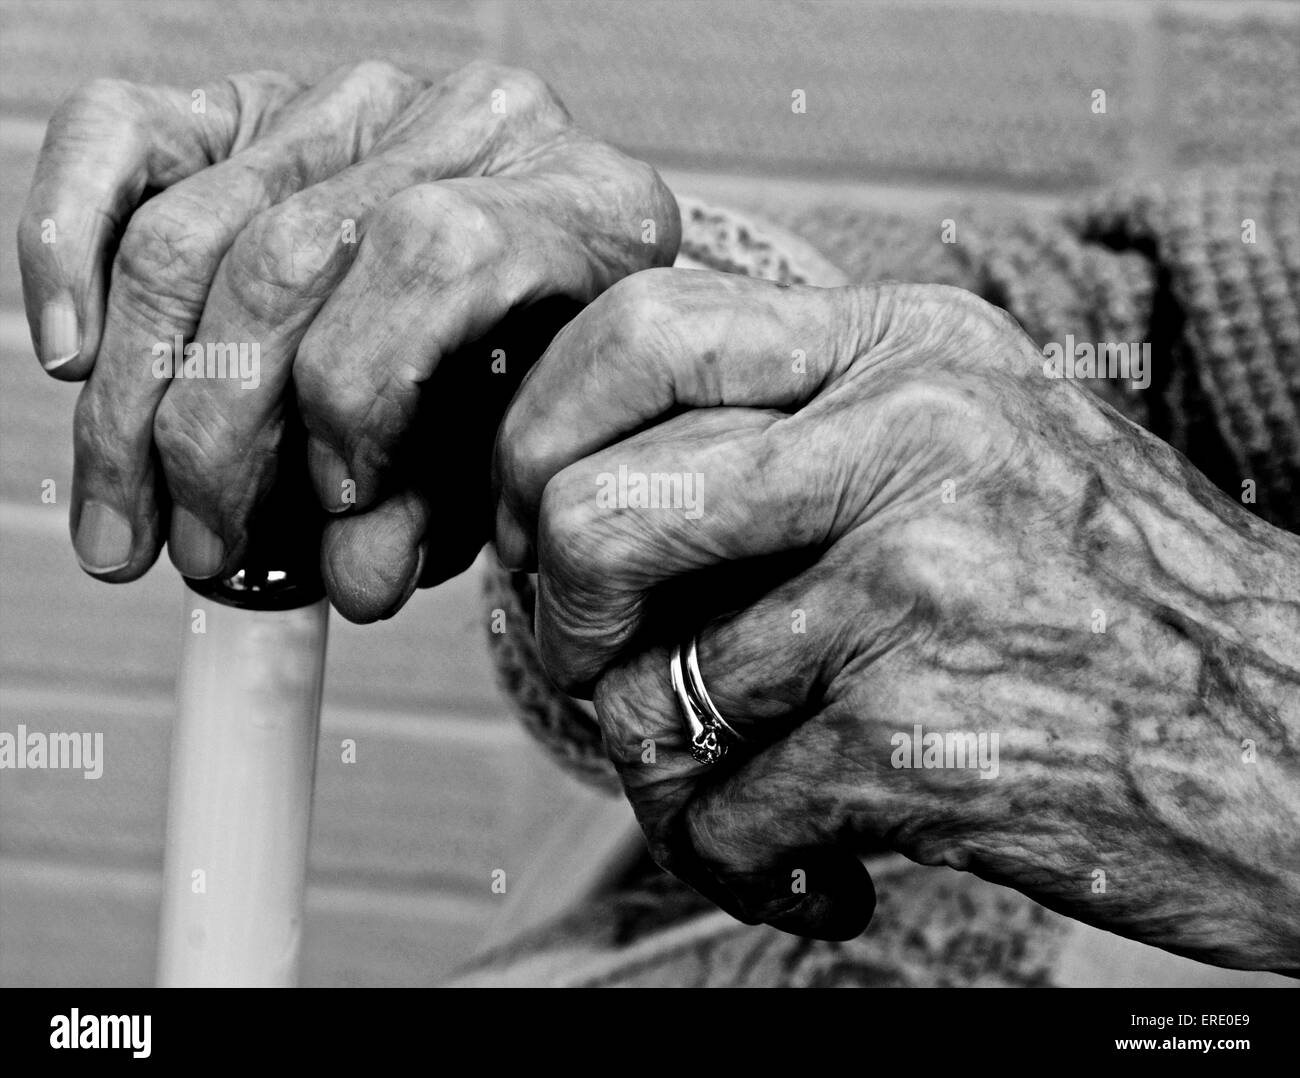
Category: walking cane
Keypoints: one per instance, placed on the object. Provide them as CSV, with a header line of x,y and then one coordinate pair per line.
x,y
243,765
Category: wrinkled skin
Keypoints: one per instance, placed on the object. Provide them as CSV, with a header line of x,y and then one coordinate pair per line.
x,y
360,231
960,521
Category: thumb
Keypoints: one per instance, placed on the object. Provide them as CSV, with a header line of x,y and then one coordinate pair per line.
x,y
768,836
106,146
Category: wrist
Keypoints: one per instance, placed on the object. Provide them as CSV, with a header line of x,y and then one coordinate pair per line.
x,y
1218,764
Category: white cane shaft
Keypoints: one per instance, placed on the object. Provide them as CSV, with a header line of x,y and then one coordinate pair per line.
x,y
239,808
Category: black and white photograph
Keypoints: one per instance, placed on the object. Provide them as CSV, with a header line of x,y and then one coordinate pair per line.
x,y
652,494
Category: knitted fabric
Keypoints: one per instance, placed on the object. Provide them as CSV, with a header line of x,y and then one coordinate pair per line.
x,y
1166,264
929,930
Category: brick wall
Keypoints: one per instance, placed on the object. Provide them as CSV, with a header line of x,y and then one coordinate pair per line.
x,y
980,91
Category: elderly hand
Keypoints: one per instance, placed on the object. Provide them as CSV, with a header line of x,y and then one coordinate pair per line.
x,y
348,237
897,538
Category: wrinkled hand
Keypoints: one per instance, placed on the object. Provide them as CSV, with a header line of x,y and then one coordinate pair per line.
x,y
887,517
357,233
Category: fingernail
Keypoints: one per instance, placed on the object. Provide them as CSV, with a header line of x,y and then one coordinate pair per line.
x,y
195,549
335,487
511,543
103,541
60,333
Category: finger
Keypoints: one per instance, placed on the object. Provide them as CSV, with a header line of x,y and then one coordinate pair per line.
x,y
439,504
106,145
216,442
440,266
656,343
768,670
372,562
773,834
444,262
709,488
161,278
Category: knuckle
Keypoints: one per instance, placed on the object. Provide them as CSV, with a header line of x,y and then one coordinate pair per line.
x,y
378,73
199,446
953,415
431,230
915,399
315,377
95,99
992,317
319,399
368,90
99,439
663,209
927,561
195,443
563,521
525,453
186,447
618,695
528,94
712,832
568,522
169,252
348,404
380,81
534,92
632,186
29,232
986,329
406,227
948,294
635,309
1000,317
632,320
286,254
